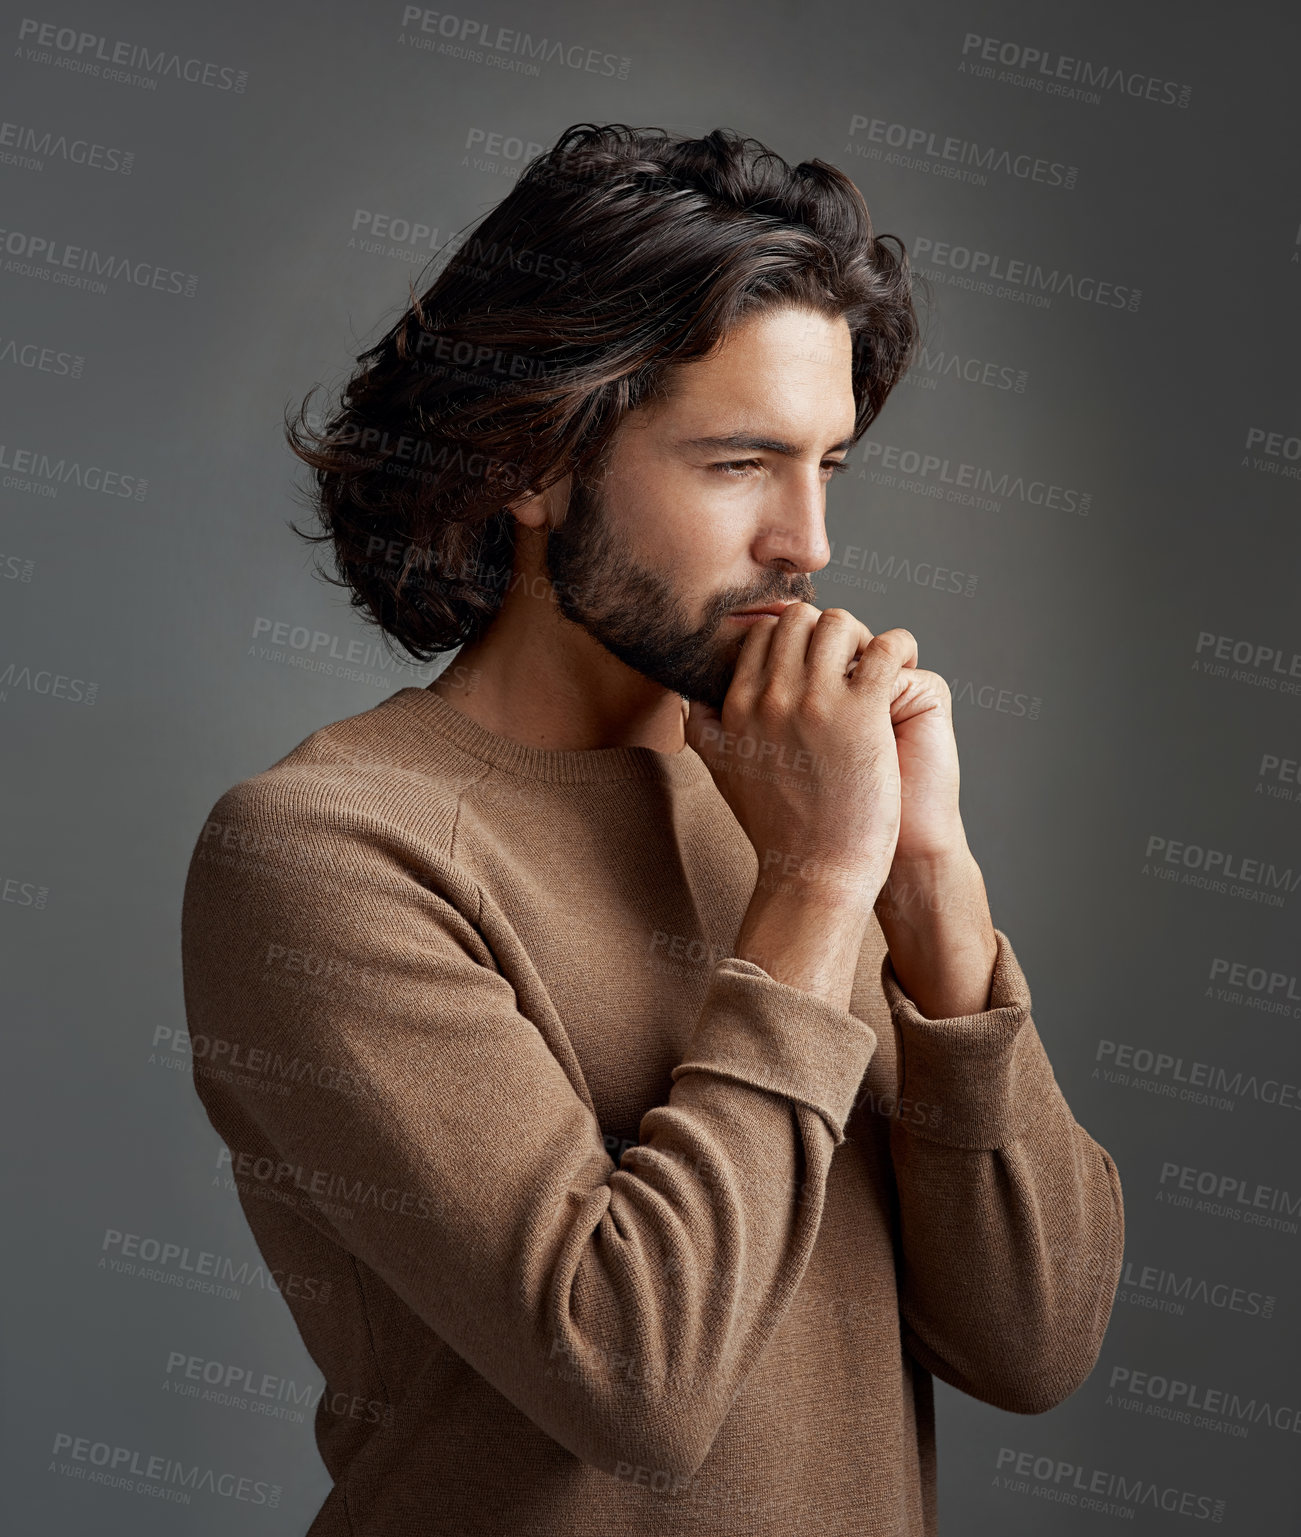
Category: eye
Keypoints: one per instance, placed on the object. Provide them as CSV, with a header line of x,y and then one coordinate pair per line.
x,y
740,469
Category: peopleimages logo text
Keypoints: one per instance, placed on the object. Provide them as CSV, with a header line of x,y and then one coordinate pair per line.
x,y
89,51
1073,1484
156,1469
470,33
964,266
41,256
1042,69
935,471
918,145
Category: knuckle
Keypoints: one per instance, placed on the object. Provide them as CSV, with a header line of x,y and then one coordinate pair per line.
x,y
771,703
737,705
813,707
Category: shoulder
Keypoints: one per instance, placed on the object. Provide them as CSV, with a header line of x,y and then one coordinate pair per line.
x,y
366,798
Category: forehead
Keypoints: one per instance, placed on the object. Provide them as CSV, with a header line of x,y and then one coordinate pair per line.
x,y
786,369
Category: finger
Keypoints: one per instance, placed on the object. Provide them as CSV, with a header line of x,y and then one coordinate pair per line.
x,y
836,641
702,728
752,658
909,661
789,645
881,660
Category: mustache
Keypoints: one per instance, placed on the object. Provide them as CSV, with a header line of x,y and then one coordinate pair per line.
x,y
799,589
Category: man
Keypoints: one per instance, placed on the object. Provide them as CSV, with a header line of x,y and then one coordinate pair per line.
x,y
615,1032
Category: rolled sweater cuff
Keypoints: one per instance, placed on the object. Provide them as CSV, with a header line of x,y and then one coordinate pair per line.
x,y
764,1033
988,1072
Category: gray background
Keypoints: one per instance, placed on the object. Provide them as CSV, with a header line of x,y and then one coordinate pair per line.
x,y
162,601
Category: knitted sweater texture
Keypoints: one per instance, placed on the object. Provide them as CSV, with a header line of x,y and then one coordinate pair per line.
x,y
594,1229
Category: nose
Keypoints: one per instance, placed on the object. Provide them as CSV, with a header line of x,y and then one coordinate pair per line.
x,y
793,533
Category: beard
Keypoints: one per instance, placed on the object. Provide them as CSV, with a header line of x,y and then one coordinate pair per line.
x,y
639,616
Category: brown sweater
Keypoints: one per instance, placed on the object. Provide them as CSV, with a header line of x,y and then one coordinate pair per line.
x,y
610,1232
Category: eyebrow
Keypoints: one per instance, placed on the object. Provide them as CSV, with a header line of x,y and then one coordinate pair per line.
x,y
745,441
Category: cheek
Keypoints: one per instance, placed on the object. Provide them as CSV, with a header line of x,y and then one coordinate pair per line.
x,y
703,526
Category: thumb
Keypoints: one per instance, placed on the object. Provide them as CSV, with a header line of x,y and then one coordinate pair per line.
x,y
702,727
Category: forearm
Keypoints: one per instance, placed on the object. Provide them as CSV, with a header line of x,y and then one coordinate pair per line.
x,y
1012,1221
937,925
1011,1259
806,942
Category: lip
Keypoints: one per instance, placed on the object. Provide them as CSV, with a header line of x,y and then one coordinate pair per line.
x,y
756,613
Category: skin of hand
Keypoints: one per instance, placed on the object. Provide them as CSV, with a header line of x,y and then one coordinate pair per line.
x,y
815,688
873,820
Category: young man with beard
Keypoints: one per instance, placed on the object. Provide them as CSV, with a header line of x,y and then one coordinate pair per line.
x,y
623,1041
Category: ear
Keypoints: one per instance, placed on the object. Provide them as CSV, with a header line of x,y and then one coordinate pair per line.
x,y
542,509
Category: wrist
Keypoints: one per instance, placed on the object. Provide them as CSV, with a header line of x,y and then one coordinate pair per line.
x,y
921,890
806,942
935,915
950,854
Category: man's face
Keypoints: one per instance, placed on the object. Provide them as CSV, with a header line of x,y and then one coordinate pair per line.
x,y
701,512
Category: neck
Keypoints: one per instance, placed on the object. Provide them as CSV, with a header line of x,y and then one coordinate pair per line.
x,y
537,678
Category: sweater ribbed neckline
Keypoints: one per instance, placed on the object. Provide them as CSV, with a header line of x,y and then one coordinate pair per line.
x,y
595,765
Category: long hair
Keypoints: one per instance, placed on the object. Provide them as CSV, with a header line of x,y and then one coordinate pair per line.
x,y
619,253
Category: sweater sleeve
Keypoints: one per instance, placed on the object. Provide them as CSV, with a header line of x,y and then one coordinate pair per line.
x,y
1011,1215
619,1308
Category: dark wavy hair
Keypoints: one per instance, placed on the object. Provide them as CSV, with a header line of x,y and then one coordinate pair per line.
x,y
619,253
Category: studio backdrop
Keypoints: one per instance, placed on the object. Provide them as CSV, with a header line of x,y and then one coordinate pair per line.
x,y
1082,501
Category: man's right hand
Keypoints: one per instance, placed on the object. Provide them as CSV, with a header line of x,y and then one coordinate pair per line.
x,y
805,757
